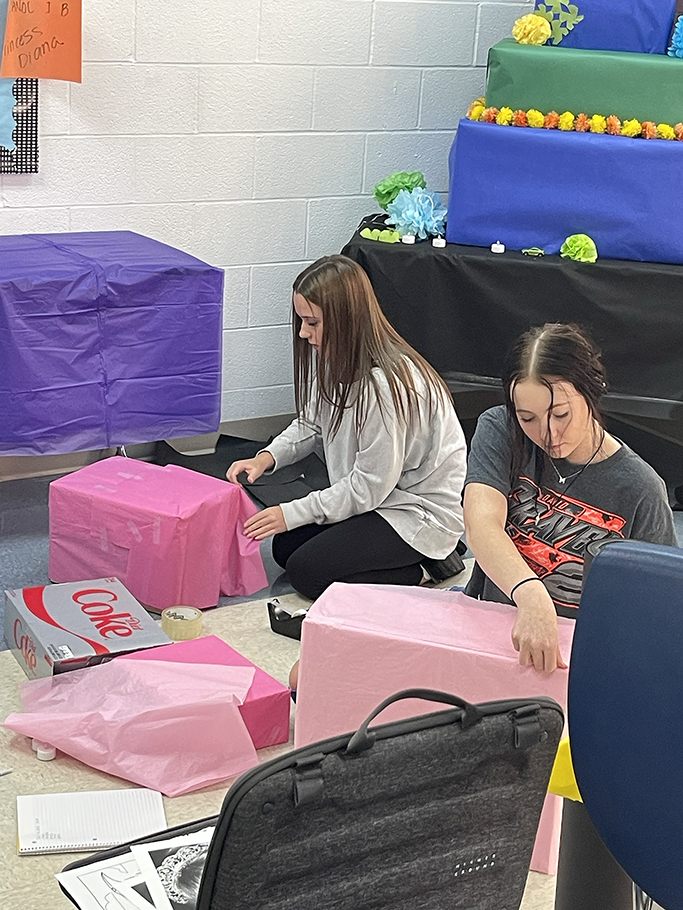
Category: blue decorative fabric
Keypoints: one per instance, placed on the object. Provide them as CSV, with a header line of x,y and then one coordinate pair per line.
x,y
641,26
534,187
7,121
7,99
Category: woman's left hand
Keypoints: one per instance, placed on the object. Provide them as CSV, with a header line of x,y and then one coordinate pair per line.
x,y
265,524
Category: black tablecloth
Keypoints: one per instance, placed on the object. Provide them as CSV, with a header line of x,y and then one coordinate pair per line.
x,y
461,307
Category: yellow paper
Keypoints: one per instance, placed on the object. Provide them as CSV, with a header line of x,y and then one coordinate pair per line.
x,y
562,780
43,40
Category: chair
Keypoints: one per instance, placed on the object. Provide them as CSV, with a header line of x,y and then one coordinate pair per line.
x,y
625,695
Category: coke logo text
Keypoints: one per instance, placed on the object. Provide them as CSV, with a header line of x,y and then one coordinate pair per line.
x,y
103,615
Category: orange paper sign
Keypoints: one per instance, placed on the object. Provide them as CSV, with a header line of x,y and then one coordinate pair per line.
x,y
43,40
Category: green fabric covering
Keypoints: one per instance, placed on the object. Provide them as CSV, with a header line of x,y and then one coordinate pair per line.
x,y
641,86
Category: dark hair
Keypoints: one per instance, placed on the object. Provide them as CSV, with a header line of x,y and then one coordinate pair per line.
x,y
356,338
547,353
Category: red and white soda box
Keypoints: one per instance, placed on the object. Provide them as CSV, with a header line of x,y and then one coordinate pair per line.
x,y
55,628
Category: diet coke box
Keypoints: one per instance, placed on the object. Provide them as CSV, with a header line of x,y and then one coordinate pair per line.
x,y
55,628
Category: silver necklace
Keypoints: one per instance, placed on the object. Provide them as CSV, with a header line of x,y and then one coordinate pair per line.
x,y
562,479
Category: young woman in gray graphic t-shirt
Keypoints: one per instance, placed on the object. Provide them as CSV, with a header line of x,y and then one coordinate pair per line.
x,y
547,486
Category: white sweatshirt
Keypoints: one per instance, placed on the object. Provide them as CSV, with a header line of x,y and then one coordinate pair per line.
x,y
412,476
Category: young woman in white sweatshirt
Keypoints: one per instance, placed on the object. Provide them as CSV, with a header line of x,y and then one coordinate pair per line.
x,y
384,422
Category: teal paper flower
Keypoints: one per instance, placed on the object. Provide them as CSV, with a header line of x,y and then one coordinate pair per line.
x,y
388,189
579,247
676,49
418,212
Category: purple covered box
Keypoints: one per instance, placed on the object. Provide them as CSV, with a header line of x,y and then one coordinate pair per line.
x,y
106,339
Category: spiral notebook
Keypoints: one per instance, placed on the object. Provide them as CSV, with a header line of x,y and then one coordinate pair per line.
x,y
74,822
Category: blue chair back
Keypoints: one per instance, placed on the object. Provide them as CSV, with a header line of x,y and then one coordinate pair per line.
x,y
626,711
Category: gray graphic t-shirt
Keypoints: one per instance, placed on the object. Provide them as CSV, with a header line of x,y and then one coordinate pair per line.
x,y
554,525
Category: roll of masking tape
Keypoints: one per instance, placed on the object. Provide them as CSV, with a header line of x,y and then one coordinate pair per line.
x,y
181,623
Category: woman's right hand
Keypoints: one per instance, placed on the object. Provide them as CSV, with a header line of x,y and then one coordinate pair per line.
x,y
534,633
253,467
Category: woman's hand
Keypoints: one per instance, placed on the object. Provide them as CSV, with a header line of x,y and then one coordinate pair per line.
x,y
265,524
253,467
534,633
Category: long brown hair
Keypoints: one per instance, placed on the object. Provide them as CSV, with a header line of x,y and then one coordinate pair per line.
x,y
356,338
556,351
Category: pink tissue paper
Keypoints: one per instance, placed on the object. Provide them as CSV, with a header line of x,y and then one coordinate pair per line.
x,y
362,643
172,536
265,709
169,728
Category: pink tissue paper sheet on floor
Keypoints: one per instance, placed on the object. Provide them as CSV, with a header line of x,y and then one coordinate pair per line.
x,y
156,724
265,710
362,643
171,535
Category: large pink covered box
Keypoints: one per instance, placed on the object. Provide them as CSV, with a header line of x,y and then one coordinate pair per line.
x,y
362,643
265,711
172,536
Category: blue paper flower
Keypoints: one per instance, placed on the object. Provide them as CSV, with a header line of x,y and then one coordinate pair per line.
x,y
676,49
418,212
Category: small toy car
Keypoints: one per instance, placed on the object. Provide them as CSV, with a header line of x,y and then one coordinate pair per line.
x,y
534,251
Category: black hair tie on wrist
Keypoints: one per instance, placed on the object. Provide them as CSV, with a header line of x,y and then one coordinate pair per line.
x,y
523,582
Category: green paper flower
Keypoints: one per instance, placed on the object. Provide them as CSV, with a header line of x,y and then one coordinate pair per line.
x,y
561,15
388,189
579,247
385,236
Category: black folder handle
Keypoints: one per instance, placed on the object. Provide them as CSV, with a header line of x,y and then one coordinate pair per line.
x,y
363,739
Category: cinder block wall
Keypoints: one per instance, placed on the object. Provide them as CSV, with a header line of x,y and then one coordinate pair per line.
x,y
251,133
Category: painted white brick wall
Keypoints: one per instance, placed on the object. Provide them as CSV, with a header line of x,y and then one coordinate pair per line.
x,y
251,133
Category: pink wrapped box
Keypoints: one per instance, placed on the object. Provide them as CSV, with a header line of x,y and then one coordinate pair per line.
x,y
171,535
265,711
362,643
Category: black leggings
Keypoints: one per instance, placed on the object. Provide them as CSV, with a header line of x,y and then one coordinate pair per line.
x,y
363,549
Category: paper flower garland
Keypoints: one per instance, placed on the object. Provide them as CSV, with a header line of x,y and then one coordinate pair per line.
x,y
676,49
531,29
417,212
567,122
579,247
388,189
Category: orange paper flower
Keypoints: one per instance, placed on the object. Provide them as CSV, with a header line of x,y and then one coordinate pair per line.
x,y
649,130
613,126
551,120
519,118
490,114
678,130
582,124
